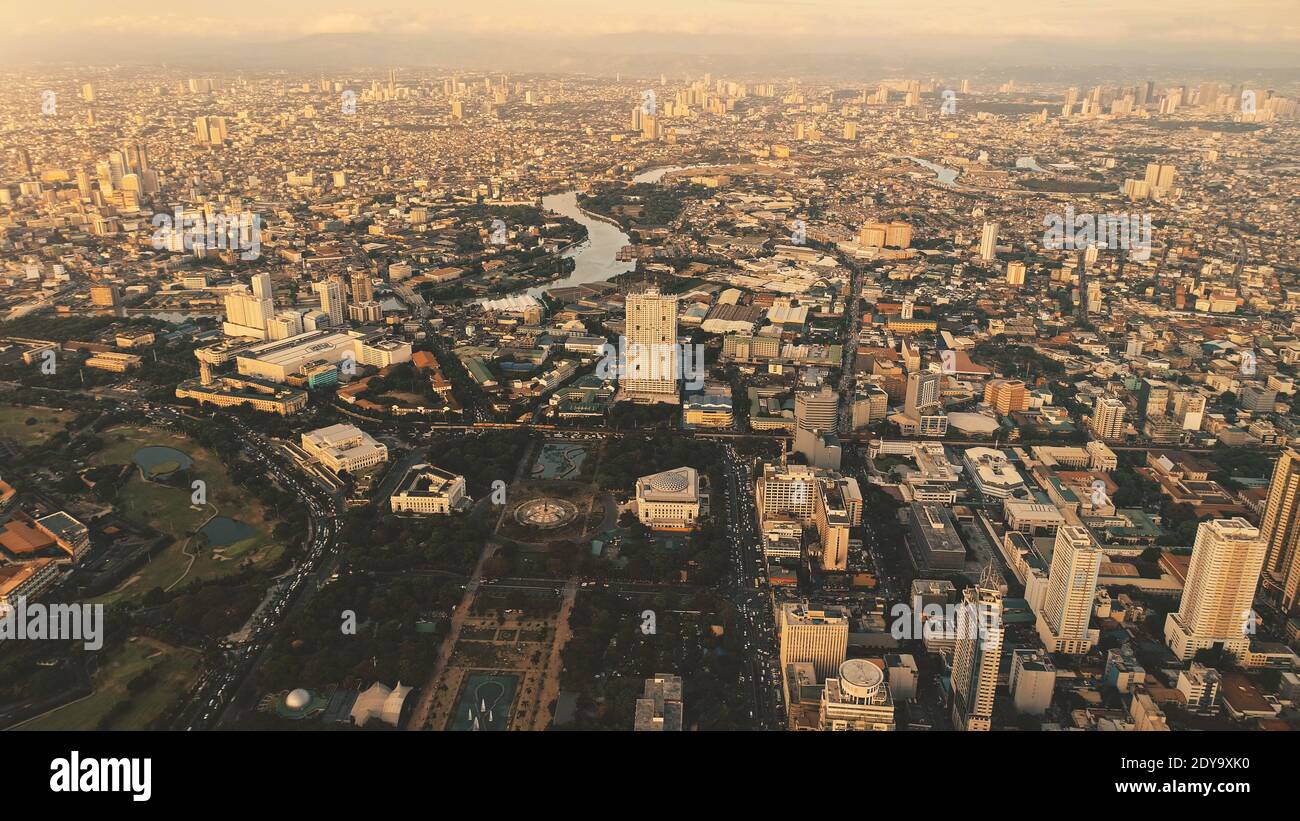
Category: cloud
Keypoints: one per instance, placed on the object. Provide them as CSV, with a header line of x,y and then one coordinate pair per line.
x,y
341,23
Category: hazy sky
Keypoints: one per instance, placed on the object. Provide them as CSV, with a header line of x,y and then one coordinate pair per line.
x,y
1190,26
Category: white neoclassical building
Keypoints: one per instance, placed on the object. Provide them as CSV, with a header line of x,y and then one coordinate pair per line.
x,y
669,500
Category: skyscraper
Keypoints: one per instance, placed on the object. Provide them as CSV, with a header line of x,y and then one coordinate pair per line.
x,y
330,292
1189,409
977,654
262,286
817,410
1016,273
989,242
248,314
1159,177
1220,590
363,290
209,130
1071,586
1153,398
1107,418
651,368
820,637
924,392
1280,526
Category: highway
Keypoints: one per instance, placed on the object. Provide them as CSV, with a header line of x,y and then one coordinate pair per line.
x,y
228,688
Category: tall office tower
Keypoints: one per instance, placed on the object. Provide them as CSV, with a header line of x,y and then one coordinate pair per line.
x,y
1189,409
1006,396
818,637
1153,398
1280,526
816,414
850,131
262,286
83,184
110,172
209,130
977,654
874,235
1071,587
137,157
363,290
650,325
331,299
1071,99
924,392
1207,95
989,242
787,489
88,92
1227,560
817,410
1107,418
1152,174
247,314
284,325
1159,177
898,234
1016,273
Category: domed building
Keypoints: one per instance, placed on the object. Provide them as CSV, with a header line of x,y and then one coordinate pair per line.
x,y
298,704
669,500
858,699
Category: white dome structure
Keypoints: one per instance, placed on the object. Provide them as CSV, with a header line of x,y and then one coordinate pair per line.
x,y
297,699
861,679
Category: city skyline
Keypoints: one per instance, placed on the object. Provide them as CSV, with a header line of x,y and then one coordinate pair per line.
x,y
1255,34
726,367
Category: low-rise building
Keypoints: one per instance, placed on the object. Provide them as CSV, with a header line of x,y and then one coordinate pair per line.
x,y
344,447
428,490
660,708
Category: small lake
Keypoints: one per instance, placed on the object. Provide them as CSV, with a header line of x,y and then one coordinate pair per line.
x,y
223,531
158,460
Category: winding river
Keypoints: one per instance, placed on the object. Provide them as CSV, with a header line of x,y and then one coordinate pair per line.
x,y
596,259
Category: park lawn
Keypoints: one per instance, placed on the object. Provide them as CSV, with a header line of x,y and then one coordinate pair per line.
x,y
168,510
175,669
13,423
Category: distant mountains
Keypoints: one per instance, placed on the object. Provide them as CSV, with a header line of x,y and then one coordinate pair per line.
x,y
639,54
